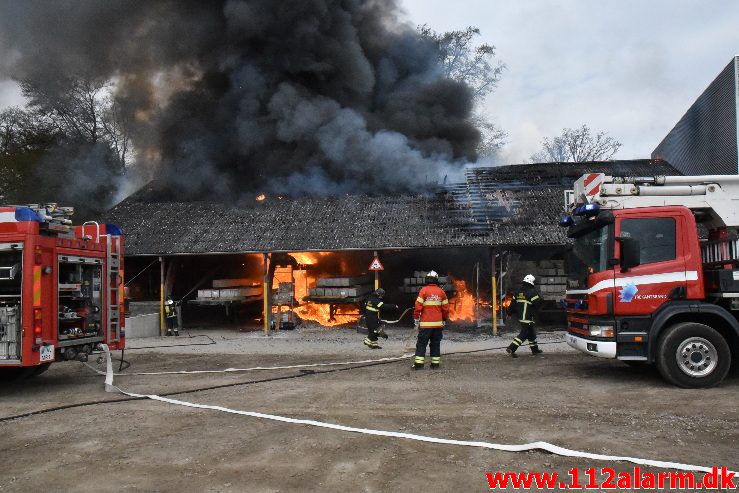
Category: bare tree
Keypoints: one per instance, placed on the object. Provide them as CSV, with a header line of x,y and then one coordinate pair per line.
x,y
22,131
462,61
492,138
81,109
577,145
476,67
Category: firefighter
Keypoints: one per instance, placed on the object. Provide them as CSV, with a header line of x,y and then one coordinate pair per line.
x,y
170,312
430,314
526,304
372,308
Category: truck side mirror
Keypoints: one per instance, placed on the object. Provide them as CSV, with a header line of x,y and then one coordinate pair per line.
x,y
630,253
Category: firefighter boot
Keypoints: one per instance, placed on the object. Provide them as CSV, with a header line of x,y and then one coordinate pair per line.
x,y
381,332
418,363
535,349
435,363
371,344
511,350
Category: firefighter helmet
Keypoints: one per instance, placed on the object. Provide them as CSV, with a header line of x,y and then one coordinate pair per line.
x,y
432,277
169,301
529,279
379,292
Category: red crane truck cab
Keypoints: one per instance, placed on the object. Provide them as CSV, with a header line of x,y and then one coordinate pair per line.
x,y
60,288
642,286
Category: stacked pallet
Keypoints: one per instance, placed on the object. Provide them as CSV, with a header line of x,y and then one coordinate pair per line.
x,y
412,285
341,287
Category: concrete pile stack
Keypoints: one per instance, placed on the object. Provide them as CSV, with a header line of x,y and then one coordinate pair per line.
x,y
552,283
412,285
230,289
341,287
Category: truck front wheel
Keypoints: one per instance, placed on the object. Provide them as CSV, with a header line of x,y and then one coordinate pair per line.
x,y
693,355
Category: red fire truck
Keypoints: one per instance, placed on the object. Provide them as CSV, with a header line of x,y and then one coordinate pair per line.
x,y
60,288
643,286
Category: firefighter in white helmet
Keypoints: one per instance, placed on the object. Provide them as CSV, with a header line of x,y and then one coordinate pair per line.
x,y
170,312
430,314
526,304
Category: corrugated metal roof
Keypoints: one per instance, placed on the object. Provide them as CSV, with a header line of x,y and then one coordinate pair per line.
x,y
706,139
504,206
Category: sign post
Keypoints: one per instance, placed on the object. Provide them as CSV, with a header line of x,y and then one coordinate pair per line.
x,y
377,267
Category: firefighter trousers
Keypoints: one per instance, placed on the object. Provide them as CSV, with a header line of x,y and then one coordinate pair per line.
x,y
372,332
430,337
527,331
172,327
371,339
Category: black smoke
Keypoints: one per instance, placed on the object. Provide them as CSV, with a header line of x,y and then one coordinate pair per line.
x,y
230,97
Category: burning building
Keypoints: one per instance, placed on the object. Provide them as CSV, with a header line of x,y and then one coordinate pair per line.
x,y
497,224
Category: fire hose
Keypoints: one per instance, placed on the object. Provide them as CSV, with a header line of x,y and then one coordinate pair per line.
x,y
304,373
539,445
400,317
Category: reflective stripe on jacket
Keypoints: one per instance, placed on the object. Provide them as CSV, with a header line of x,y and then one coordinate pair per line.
x,y
169,311
527,303
373,307
432,307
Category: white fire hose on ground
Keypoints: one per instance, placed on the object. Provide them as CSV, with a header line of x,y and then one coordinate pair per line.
x,y
545,446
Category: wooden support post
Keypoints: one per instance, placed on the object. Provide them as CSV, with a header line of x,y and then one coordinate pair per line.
x,y
494,296
377,276
477,294
162,327
266,310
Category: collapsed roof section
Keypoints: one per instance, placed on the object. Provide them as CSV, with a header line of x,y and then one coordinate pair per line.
x,y
505,206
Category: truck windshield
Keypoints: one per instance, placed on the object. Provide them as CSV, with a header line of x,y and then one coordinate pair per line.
x,y
589,254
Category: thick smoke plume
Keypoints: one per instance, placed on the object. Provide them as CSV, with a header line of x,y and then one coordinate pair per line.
x,y
225,98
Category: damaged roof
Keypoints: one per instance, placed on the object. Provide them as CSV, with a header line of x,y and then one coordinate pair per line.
x,y
509,206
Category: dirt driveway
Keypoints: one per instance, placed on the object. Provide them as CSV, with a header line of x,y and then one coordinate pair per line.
x,y
564,398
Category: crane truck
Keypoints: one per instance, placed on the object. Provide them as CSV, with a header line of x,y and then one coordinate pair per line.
x,y
60,288
652,273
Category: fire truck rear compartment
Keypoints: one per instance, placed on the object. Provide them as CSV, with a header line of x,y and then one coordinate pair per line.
x,y
80,306
11,276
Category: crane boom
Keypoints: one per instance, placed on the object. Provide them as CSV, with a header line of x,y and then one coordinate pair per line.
x,y
716,196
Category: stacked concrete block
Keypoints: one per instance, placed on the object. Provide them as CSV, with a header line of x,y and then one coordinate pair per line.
x,y
341,287
412,285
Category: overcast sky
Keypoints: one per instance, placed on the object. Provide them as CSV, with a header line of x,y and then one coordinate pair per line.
x,y
629,67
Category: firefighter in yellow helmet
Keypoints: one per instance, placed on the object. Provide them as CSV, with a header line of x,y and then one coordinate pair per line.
x,y
526,303
170,313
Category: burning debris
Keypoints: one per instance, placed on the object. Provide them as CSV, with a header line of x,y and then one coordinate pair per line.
x,y
462,305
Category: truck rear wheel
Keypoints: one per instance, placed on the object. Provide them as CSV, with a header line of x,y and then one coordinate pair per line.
x,y
693,355
38,370
10,374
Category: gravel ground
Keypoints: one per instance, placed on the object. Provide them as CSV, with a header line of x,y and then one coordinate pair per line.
x,y
564,398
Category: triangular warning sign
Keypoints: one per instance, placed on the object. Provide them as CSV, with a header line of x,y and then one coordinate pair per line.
x,y
376,265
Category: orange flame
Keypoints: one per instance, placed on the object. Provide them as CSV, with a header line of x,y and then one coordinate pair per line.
x,y
308,258
308,310
261,197
462,304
